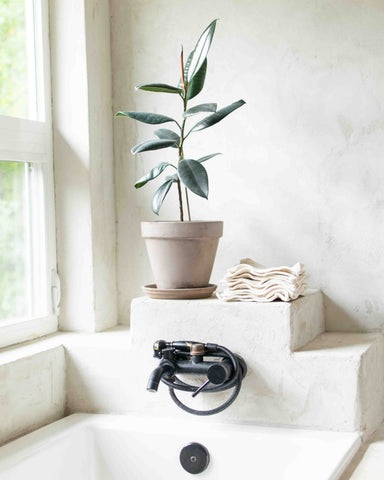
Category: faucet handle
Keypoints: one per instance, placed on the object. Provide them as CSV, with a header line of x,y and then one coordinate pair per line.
x,y
197,349
197,352
200,389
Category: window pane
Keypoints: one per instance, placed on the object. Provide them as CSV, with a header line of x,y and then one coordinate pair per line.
x,y
14,245
17,59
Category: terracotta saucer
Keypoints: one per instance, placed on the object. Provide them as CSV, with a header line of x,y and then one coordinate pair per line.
x,y
179,293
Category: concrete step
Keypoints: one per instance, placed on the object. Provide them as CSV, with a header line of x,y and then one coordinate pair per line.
x,y
283,326
347,374
297,374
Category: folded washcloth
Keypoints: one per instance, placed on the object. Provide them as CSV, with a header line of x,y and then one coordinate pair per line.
x,y
251,282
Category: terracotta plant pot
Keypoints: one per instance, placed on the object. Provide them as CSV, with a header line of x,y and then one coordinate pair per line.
x,y
181,253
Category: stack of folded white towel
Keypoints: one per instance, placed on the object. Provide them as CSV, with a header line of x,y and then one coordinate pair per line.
x,y
251,282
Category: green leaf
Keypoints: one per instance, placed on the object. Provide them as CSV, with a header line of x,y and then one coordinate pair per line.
x,y
201,49
160,194
204,107
173,177
186,69
194,176
152,145
195,86
158,87
154,173
166,134
216,117
151,118
207,157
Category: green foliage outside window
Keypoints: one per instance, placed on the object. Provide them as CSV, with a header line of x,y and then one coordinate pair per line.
x,y
13,102
13,59
13,243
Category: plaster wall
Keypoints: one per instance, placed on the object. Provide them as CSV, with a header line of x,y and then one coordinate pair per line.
x,y
71,164
101,155
301,174
83,163
32,389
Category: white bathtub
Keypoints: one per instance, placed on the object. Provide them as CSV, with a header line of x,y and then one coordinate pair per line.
x,y
117,447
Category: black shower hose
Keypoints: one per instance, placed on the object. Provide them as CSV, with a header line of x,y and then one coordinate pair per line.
x,y
238,373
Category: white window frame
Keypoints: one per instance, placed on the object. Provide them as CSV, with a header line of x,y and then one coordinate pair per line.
x,y
30,141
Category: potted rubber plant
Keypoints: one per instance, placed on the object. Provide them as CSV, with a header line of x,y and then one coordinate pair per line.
x,y
181,253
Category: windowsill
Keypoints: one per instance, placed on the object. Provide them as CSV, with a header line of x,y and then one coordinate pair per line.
x,y
116,337
15,332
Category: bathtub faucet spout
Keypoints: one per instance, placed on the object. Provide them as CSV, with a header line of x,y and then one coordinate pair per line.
x,y
165,368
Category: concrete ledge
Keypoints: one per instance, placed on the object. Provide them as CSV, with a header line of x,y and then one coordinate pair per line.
x,y
277,326
335,381
306,319
347,374
339,344
366,352
32,389
35,386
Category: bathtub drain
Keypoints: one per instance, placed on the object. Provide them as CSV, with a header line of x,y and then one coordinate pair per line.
x,y
194,458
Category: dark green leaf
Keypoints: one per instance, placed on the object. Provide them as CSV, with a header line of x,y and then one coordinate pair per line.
x,y
201,49
166,134
207,157
195,86
151,118
152,145
204,107
158,87
216,117
160,194
194,176
154,173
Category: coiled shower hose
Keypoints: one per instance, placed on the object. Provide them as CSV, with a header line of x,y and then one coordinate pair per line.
x,y
239,370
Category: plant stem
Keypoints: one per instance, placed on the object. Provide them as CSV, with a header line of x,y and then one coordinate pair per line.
x,y
182,69
179,190
181,150
188,210
180,201
181,157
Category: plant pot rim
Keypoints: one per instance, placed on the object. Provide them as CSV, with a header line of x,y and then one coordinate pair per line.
x,y
193,229
182,223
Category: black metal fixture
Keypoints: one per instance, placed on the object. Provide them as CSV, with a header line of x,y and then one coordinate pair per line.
x,y
194,458
224,370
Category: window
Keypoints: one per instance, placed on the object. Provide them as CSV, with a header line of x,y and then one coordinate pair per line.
x,y
27,242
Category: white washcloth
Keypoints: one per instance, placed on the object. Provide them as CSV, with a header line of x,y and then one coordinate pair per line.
x,y
251,282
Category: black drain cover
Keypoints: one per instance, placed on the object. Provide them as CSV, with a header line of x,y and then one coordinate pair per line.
x,y
194,458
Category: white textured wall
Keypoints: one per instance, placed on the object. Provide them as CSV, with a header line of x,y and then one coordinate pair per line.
x,y
71,163
302,173
102,167
32,389
83,163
